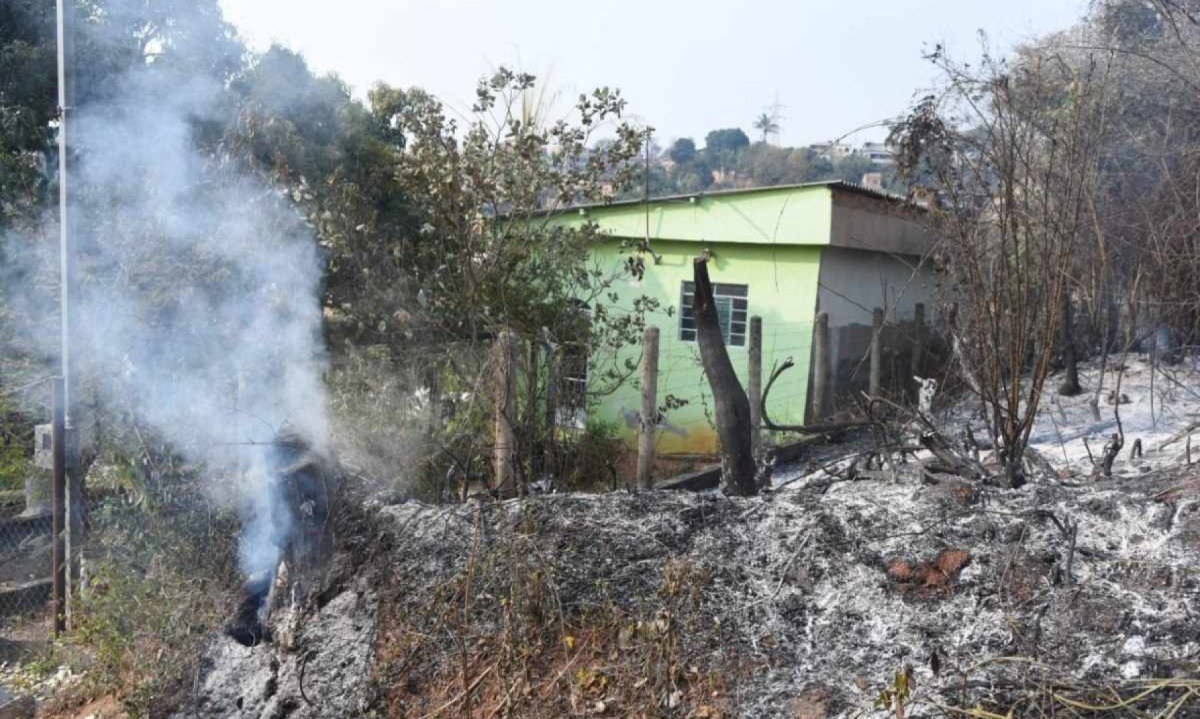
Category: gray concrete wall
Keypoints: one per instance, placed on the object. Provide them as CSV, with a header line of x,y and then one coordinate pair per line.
x,y
869,223
852,284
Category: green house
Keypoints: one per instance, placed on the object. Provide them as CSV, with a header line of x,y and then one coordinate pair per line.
x,y
780,253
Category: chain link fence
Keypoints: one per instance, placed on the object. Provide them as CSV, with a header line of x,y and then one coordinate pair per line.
x,y
25,561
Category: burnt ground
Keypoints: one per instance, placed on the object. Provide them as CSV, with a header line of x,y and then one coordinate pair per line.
x,y
664,604
876,594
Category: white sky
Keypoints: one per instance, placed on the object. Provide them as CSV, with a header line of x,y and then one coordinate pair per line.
x,y
685,67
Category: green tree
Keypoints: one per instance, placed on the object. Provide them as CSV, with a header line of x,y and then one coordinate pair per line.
x,y
682,151
28,103
340,158
767,125
728,140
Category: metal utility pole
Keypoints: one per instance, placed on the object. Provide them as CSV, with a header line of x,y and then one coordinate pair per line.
x,y
68,438
64,233
58,515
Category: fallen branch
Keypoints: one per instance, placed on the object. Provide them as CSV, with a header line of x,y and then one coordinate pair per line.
x,y
802,428
1185,432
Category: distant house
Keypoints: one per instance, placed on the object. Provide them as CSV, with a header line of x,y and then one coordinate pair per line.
x,y
781,253
831,151
879,153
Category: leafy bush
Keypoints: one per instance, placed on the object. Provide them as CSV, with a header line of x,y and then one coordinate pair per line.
x,y
16,446
159,582
588,459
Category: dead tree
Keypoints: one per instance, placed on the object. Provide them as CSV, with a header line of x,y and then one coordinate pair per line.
x,y
729,398
1070,384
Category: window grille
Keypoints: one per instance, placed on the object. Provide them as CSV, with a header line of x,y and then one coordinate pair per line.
x,y
732,302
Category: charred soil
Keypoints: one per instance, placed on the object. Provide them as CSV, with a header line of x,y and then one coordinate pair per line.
x,y
818,600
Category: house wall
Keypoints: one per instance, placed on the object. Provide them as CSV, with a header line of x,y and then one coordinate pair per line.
x,y
788,245
865,223
782,282
852,284
800,216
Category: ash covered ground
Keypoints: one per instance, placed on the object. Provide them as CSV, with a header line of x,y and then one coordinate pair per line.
x,y
1071,596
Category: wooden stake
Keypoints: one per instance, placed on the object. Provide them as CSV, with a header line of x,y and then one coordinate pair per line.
x,y
821,368
505,416
649,418
754,388
918,350
552,379
876,382
537,466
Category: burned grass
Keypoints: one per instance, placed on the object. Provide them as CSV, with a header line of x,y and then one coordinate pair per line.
x,y
1040,600
1049,600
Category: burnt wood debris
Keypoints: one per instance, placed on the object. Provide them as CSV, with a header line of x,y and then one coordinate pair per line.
x,y
307,482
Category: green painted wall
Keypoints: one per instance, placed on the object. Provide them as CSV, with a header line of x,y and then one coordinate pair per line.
x,y
794,216
768,239
782,281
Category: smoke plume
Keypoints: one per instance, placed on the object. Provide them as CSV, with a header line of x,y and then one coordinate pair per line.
x,y
197,305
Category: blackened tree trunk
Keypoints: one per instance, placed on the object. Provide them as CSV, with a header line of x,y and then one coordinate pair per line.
x,y
732,406
1070,384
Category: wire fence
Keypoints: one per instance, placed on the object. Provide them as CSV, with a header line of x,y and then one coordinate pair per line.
x,y
26,549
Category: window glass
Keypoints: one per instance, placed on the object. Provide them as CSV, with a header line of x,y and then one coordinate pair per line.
x,y
732,302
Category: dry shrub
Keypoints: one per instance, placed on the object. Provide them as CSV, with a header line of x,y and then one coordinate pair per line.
x,y
159,583
499,641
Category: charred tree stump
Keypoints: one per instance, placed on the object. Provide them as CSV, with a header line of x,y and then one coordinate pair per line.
x,y
732,405
1111,451
1070,384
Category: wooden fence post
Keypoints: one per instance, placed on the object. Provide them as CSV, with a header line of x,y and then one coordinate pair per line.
x,y
918,349
649,418
876,382
59,511
505,449
552,378
821,368
755,381
533,440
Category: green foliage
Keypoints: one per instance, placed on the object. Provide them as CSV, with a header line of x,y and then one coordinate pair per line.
x,y
767,125
590,457
758,165
682,151
159,583
16,446
727,140
27,104
896,695
473,275
340,159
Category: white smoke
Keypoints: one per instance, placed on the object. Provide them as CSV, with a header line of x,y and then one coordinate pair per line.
x,y
197,307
